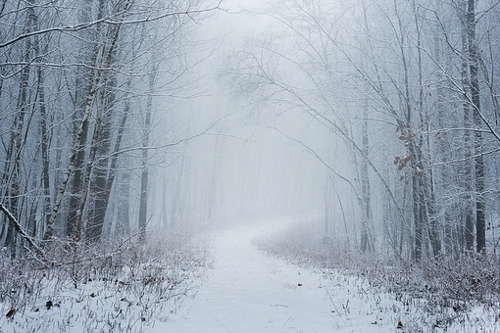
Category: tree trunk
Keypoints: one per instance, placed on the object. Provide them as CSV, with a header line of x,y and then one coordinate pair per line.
x,y
108,51
83,107
478,140
143,200
44,143
12,168
123,215
366,239
100,183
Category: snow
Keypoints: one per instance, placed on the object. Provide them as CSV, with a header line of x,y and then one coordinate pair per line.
x,y
246,290
249,291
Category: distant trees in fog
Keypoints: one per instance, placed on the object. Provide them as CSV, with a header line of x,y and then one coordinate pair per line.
x,y
397,100
408,90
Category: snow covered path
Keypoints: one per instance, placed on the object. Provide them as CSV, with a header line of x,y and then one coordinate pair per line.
x,y
249,291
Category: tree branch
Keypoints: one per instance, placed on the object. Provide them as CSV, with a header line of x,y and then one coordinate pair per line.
x,y
17,226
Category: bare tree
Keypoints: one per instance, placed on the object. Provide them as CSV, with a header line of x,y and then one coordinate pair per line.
x,y
407,70
79,64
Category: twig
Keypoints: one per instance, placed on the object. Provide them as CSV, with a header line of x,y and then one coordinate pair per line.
x,y
331,301
286,321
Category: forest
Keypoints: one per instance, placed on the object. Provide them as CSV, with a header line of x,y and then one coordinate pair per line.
x,y
125,122
404,95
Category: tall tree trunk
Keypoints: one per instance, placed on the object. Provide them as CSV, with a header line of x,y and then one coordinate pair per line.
x,y
100,191
143,200
101,57
366,239
478,140
424,169
106,167
108,51
468,228
13,165
84,105
44,146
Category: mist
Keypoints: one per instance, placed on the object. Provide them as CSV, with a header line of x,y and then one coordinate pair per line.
x,y
156,154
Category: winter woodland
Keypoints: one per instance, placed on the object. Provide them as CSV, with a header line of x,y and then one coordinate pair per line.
x,y
132,129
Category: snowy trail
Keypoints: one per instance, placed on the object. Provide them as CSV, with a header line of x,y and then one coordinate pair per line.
x,y
249,291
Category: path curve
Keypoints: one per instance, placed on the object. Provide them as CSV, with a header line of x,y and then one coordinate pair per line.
x,y
249,291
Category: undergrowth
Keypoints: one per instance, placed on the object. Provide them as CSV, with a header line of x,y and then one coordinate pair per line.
x,y
110,287
444,291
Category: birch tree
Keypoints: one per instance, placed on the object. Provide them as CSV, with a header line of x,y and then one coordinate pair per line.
x,y
73,70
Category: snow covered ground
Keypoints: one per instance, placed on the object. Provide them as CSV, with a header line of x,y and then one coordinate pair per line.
x,y
249,291
245,291
123,293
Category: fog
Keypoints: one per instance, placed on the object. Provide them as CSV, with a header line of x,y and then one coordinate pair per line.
x,y
379,118
241,164
258,155
249,157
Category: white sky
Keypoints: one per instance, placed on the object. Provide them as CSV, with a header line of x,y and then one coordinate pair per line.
x,y
245,4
